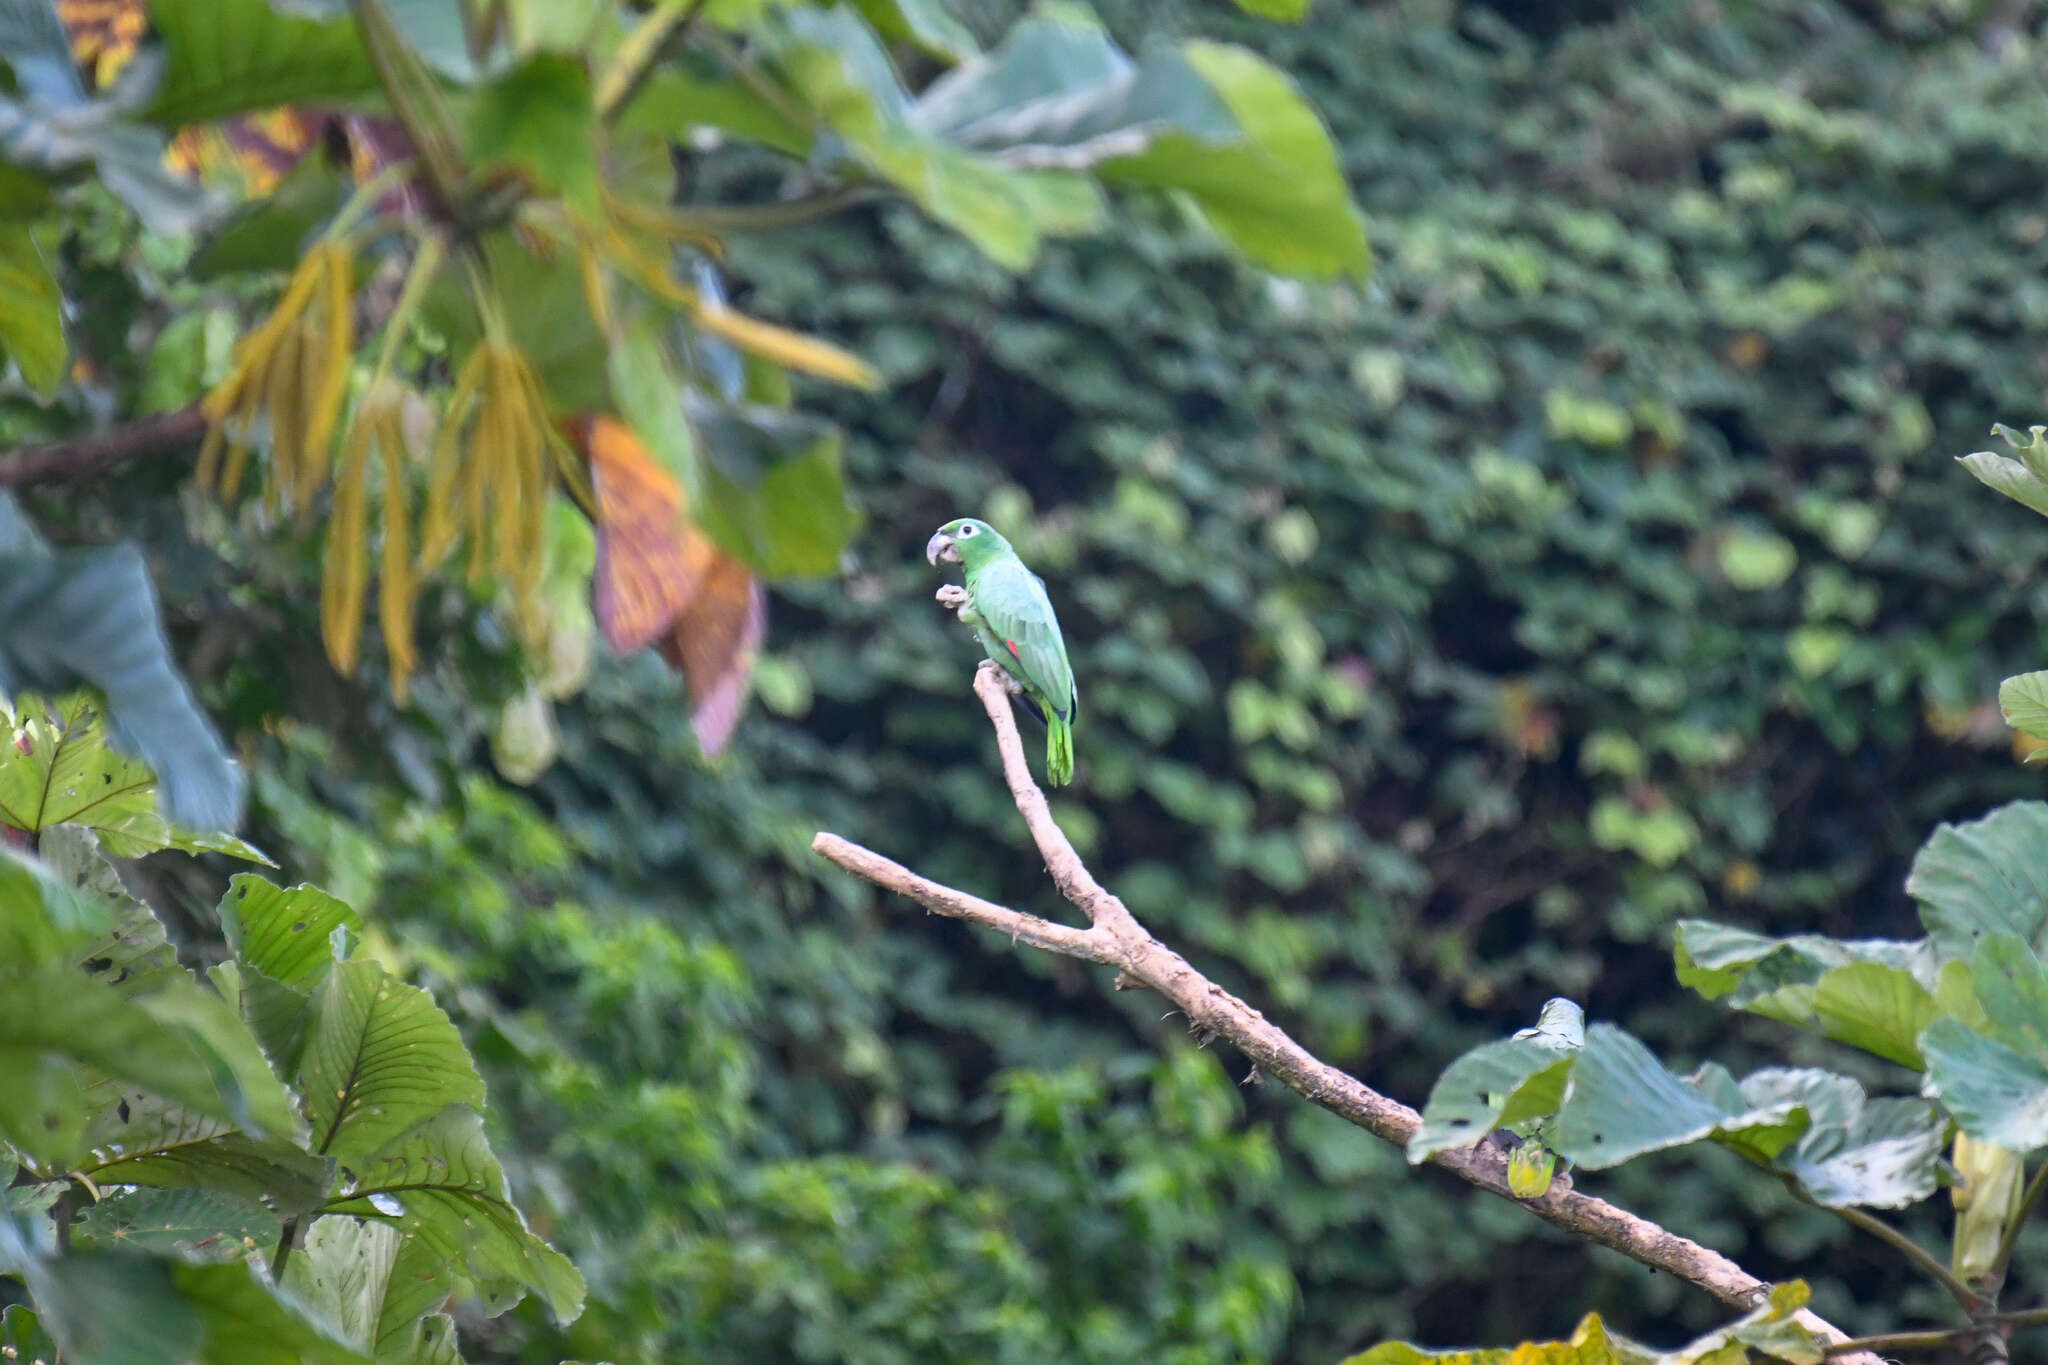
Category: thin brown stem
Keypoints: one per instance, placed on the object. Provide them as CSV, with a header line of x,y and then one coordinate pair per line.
x,y
80,457
2026,1317
1115,938
1970,1299
1939,1340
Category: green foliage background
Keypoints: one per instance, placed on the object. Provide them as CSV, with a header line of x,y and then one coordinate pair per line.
x,y
1442,643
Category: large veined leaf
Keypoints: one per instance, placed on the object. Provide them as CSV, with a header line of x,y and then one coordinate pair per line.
x,y
1774,1331
193,1224
1212,120
232,56
137,1138
1598,1097
284,940
288,934
1876,994
170,1040
380,1058
90,616
1498,1084
42,919
114,1308
243,1320
450,1192
2024,480
1883,1153
1984,877
1623,1103
997,148
378,1284
834,65
130,952
1996,1094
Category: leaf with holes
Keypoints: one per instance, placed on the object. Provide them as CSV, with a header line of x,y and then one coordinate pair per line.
x,y
288,934
451,1193
1501,1083
137,1138
45,918
380,1058
168,1040
62,772
60,769
194,1224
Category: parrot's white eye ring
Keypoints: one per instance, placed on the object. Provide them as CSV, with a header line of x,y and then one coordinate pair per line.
x,y
966,531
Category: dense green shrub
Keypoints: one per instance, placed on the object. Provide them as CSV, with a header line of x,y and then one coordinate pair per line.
x,y
1441,644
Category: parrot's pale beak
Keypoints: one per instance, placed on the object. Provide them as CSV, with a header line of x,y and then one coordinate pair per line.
x,y
940,547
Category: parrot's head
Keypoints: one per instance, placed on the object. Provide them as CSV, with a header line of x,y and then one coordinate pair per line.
x,y
965,541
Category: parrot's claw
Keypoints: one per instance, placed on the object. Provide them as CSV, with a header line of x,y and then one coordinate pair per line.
x,y
953,597
1010,684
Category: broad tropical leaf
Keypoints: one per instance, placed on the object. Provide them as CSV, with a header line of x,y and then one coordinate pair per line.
x,y
380,1058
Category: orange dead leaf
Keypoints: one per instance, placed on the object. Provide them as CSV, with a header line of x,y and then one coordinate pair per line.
x,y
713,645
644,577
659,579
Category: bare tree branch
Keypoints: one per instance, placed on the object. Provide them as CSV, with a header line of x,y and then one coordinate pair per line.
x,y
79,457
1116,939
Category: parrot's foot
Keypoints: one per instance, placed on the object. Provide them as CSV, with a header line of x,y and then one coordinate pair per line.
x,y
1010,684
953,597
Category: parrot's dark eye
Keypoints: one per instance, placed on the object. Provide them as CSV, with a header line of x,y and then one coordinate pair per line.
x,y
966,531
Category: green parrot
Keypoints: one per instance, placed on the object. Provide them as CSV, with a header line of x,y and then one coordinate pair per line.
x,y
1007,606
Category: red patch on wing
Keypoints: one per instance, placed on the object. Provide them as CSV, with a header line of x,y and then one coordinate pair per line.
x,y
1013,649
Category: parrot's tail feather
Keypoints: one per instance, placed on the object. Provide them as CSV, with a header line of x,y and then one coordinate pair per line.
x,y
1059,751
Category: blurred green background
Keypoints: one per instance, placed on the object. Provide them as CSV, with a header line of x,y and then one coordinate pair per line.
x,y
1440,643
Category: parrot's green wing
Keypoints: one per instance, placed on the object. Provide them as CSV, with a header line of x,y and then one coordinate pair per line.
x,y
1012,601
